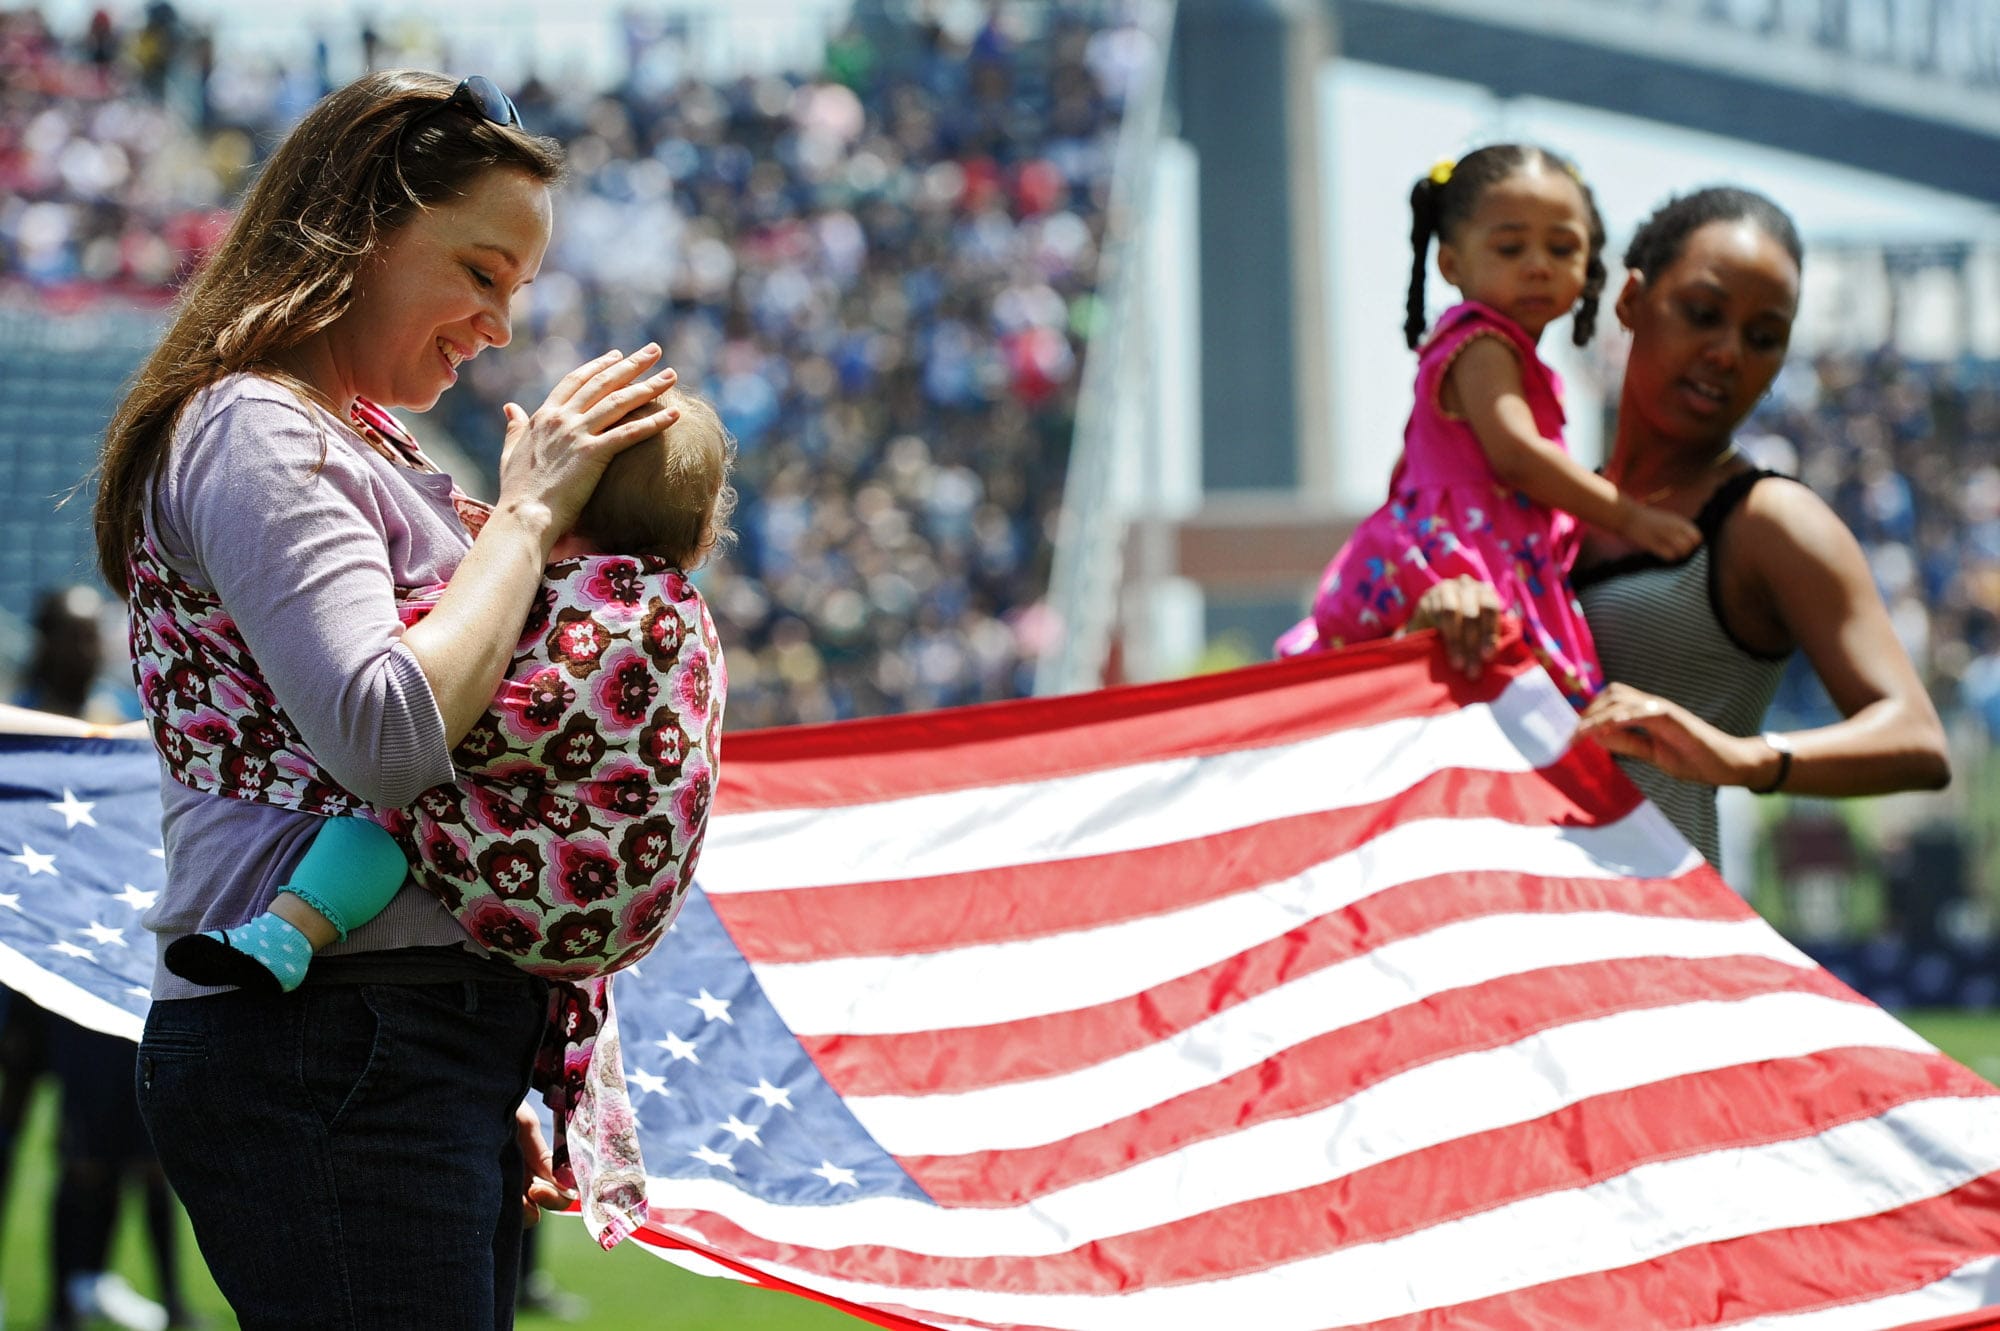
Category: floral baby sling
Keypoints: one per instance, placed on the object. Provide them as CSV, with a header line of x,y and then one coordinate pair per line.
x,y
569,842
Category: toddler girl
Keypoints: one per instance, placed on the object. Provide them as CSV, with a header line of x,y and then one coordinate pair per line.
x,y
1485,487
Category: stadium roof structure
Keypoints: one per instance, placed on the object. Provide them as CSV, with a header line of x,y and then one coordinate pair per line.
x,y
1913,96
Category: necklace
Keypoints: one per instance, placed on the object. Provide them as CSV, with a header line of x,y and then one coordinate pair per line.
x,y
1727,455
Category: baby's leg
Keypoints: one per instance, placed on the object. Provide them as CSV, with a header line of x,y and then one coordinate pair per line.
x,y
347,876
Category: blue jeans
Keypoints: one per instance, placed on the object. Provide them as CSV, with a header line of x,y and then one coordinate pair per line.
x,y
347,1151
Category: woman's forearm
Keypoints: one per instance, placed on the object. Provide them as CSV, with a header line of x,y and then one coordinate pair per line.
x,y
1881,749
465,644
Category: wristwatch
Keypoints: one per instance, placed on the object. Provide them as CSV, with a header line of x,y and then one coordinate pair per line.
x,y
1781,746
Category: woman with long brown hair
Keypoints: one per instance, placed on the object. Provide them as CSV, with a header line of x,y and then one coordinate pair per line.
x,y
353,1154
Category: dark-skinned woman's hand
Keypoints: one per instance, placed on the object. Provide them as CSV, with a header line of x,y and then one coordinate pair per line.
x,y
1635,724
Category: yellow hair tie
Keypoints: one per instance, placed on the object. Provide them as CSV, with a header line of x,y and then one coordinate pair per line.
x,y
1441,173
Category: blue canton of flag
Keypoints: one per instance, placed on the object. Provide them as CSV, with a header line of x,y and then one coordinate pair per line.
x,y
80,861
723,1089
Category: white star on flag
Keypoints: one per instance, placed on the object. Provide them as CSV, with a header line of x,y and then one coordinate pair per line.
x,y
717,1158
70,949
651,1082
136,898
679,1048
158,852
771,1095
715,1009
11,900
34,861
740,1130
836,1176
104,933
74,810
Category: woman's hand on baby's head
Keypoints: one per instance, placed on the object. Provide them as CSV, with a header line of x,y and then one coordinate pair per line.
x,y
553,457
653,412
1660,533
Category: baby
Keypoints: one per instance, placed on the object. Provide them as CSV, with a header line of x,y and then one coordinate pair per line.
x,y
570,837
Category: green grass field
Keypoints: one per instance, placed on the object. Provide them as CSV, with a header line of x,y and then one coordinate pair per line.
x,y
627,1288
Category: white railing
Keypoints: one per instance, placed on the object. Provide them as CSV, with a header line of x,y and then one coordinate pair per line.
x,y
1087,569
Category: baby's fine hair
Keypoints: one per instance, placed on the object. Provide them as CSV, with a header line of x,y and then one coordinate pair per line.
x,y
1440,209
1658,242
669,494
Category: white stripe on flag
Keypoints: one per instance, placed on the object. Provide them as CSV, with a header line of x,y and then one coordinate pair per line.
x,y
1424,1107
1128,808
988,983
1856,1169
1456,956
48,990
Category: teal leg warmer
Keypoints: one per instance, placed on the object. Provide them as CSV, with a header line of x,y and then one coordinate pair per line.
x,y
348,875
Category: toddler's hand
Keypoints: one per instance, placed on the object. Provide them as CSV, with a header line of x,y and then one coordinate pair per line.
x,y
1656,531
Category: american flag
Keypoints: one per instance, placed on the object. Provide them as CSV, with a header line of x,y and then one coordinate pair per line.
x,y
1336,992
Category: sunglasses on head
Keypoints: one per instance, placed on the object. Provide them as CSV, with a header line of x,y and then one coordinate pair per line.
x,y
482,97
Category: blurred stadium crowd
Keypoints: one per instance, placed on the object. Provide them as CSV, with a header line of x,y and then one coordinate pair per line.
x,y
881,271
1909,455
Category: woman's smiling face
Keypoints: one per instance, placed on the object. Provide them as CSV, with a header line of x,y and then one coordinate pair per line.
x,y
1709,331
437,291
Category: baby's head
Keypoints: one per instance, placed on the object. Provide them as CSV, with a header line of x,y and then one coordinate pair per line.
x,y
669,494
1518,230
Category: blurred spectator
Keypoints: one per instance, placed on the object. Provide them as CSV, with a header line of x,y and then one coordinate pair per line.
x,y
66,672
101,1142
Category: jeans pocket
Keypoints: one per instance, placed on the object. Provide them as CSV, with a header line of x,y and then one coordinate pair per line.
x,y
175,1044
341,1044
161,1048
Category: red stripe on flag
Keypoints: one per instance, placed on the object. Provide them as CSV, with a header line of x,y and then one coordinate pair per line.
x,y
1013,902
1330,1068
934,1062
1793,1270
1577,1147
923,753
875,1316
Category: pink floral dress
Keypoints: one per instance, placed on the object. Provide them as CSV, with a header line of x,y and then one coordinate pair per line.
x,y
570,839
1448,515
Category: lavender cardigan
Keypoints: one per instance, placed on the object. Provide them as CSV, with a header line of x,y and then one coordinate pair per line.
x,y
304,532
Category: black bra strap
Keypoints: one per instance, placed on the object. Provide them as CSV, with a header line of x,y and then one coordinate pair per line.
x,y
1714,512
1725,499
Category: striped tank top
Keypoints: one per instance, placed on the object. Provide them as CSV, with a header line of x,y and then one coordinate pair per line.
x,y
1659,628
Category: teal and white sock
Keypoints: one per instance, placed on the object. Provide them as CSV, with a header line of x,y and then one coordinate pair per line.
x,y
267,953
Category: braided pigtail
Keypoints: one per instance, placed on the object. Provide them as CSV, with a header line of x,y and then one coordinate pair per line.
x,y
1423,223
1584,325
